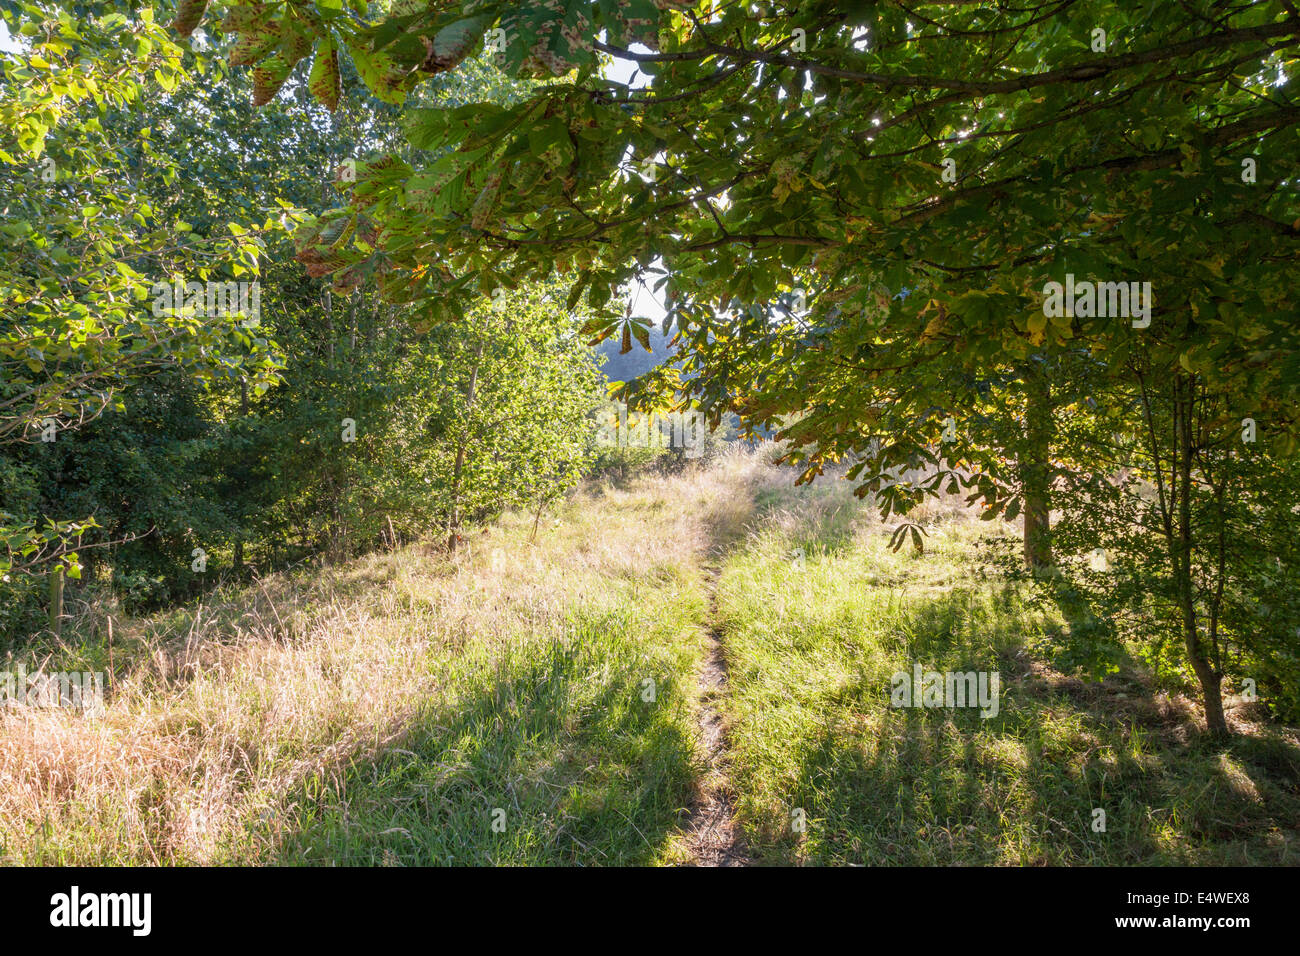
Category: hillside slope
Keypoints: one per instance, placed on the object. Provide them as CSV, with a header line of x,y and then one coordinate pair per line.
x,y
685,668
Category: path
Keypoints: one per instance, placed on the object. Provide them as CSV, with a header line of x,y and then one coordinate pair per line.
x,y
712,834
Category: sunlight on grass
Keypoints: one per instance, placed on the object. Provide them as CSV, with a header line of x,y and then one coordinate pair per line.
x,y
812,646
391,710
379,711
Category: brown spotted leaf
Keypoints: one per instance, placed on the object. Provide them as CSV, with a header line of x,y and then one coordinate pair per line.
x,y
245,18
453,43
188,15
252,47
268,78
297,44
324,81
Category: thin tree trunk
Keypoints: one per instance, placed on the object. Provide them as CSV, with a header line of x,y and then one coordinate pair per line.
x,y
239,535
1202,664
537,519
56,600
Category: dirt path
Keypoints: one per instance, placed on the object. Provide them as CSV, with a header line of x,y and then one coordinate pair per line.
x,y
711,833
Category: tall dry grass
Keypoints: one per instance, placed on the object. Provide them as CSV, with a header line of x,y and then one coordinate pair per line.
x,y
220,713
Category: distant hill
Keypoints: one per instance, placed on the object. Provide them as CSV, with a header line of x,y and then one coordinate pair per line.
x,y
622,368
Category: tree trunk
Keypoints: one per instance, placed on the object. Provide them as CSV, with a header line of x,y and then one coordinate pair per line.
x,y
1035,470
1181,490
537,519
239,535
1211,684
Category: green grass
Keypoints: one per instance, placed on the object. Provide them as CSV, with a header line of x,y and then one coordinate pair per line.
x,y
382,712
811,653
553,742
379,712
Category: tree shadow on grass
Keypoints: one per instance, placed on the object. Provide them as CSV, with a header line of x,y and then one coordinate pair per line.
x,y
547,756
937,786
1258,768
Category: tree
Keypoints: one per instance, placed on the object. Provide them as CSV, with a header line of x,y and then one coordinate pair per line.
x,y
965,155
81,246
257,478
511,426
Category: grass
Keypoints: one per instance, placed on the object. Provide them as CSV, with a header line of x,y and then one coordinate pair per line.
x,y
537,703
812,649
380,712
551,740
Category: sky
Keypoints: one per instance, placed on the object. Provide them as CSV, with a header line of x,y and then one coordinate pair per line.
x,y
644,303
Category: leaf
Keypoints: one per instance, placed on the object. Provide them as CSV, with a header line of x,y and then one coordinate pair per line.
x,y
324,81
576,292
380,74
252,47
642,333
268,78
600,328
453,43
188,15
898,537
549,39
244,17
297,44
631,21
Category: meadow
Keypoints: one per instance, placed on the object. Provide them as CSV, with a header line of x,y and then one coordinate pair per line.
x,y
548,701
